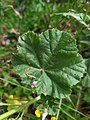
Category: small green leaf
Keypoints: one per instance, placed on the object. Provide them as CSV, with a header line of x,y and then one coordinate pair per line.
x,y
78,16
87,96
86,79
51,59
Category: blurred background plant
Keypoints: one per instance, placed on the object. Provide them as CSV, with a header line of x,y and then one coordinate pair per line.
x,y
19,16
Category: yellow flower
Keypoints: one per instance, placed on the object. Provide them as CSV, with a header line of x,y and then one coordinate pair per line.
x,y
38,113
53,118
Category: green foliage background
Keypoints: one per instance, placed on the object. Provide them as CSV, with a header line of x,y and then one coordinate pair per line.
x,y
38,16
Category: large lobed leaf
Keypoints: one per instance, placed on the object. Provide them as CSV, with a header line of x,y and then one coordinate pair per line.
x,y
51,59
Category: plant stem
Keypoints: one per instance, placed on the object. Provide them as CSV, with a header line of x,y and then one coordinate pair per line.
x,y
73,109
11,112
33,101
70,116
6,104
13,83
79,99
59,109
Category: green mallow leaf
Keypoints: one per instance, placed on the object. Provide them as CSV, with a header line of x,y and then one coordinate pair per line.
x,y
51,59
